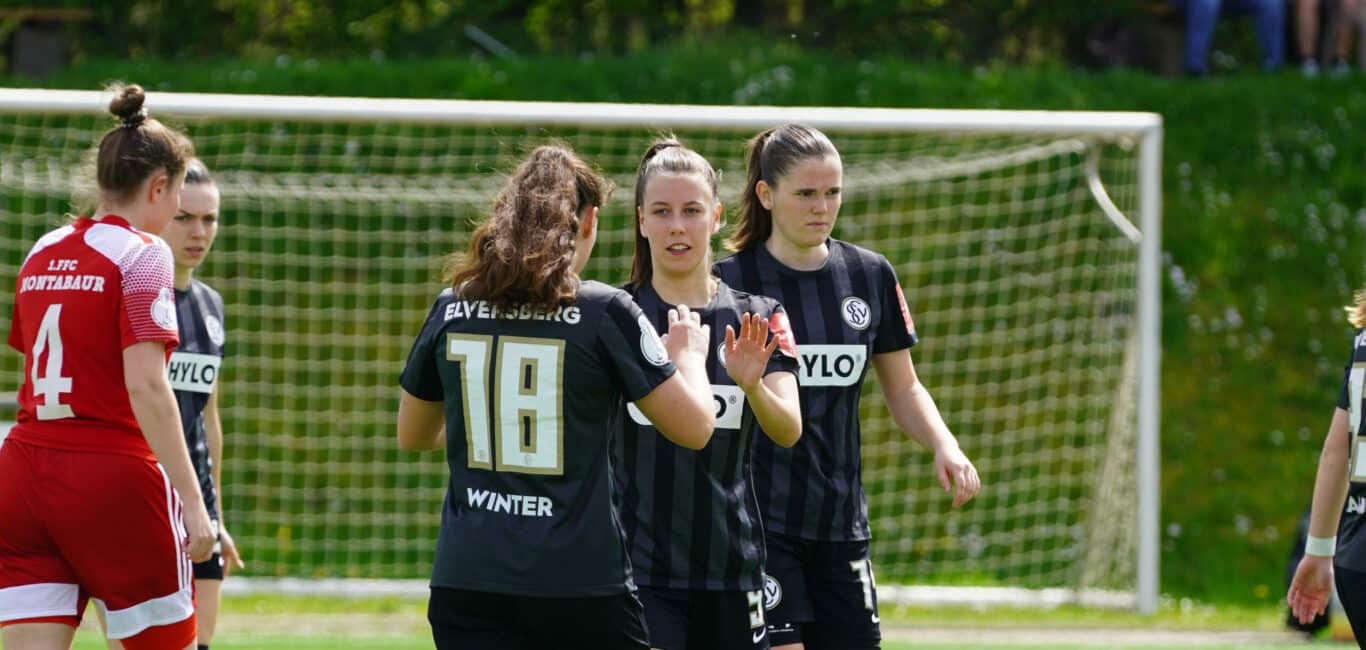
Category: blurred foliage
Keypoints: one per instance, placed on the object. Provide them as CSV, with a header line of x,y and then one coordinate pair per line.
x,y
982,30
1264,237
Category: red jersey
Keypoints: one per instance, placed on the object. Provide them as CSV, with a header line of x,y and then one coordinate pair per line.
x,y
85,292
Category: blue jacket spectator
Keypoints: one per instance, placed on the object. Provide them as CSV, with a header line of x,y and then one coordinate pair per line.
x,y
1201,16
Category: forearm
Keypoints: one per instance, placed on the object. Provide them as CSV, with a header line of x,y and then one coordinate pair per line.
x,y
1330,483
914,411
158,416
694,376
781,419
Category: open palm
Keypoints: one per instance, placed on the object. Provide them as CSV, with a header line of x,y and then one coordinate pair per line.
x,y
748,352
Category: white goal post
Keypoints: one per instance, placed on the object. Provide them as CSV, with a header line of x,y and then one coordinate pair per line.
x,y
1028,243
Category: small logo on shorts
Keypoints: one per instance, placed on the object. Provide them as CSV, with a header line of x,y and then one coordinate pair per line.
x,y
856,312
773,593
215,329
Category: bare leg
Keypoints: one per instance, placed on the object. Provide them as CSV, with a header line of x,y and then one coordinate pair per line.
x,y
1349,13
208,596
113,644
1306,27
38,636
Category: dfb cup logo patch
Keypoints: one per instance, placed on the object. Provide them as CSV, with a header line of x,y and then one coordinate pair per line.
x,y
650,346
856,313
215,328
163,310
773,593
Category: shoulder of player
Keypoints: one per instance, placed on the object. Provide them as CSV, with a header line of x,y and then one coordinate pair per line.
x,y
48,239
123,244
855,253
208,291
749,302
593,293
731,263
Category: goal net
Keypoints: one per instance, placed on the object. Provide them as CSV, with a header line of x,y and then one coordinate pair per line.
x,y
1026,243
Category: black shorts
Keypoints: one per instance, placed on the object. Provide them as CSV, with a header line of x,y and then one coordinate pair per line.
x,y
693,619
820,594
480,620
1351,587
210,569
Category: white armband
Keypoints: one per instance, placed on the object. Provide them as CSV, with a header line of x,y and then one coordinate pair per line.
x,y
1321,546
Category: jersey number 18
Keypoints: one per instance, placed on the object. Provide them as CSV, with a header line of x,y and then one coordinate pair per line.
x,y
521,428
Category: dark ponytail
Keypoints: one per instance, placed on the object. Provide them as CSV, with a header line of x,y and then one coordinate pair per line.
x,y
768,157
137,147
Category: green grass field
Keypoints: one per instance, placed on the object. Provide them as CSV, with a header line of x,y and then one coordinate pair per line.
x,y
275,622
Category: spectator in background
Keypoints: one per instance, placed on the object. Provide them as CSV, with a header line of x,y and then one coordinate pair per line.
x,y
1201,16
1337,38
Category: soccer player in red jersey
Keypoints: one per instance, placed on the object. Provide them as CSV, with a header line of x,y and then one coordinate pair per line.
x,y
89,511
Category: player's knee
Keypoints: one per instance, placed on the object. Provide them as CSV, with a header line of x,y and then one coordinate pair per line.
x,y
181,634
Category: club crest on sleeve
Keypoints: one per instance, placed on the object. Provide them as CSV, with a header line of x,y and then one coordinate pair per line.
x,y
651,347
163,309
773,592
215,329
855,312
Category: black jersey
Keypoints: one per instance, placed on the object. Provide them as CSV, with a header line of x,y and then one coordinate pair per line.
x,y
193,372
842,313
1352,529
691,517
529,398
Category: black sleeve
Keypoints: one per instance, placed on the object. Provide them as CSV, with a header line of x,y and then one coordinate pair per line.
x,y
896,330
420,376
1344,401
222,319
633,348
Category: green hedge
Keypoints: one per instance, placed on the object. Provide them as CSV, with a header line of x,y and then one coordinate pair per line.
x,y
1263,238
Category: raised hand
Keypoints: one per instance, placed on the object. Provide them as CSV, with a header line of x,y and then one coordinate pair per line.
x,y
688,339
747,354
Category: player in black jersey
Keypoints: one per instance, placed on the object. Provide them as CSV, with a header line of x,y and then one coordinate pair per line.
x,y
193,373
1335,551
524,365
846,309
691,517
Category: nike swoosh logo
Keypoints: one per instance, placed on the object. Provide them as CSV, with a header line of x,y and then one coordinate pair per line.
x,y
759,636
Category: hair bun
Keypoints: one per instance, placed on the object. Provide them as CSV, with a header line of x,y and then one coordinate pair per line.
x,y
127,104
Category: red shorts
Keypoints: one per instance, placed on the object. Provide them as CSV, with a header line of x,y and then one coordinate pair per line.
x,y
81,525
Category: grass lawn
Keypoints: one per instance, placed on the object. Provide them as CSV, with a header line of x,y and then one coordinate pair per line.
x,y
263,622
